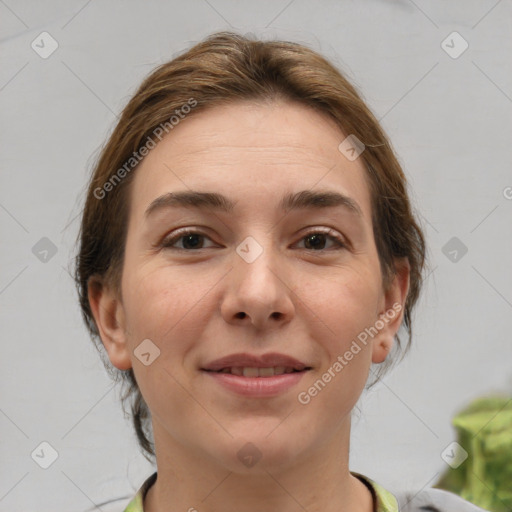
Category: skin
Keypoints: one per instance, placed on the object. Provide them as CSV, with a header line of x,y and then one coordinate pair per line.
x,y
188,304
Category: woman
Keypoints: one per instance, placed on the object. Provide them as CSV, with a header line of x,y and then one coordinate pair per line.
x,y
247,251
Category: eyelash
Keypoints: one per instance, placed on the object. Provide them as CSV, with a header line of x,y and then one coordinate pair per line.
x,y
167,243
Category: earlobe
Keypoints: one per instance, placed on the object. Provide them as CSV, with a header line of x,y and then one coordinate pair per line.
x,y
392,312
381,350
108,314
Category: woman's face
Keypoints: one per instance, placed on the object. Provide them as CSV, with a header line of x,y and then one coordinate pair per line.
x,y
252,280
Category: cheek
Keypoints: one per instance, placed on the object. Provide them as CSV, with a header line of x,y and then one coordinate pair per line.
x,y
159,304
347,303
171,308
347,306
156,298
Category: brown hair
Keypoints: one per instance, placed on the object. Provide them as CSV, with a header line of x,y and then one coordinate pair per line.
x,y
224,68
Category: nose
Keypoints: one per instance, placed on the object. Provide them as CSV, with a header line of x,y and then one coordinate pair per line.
x,y
258,291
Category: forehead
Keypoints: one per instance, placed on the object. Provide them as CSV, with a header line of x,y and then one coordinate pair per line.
x,y
253,153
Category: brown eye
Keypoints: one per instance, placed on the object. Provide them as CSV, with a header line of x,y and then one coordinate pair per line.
x,y
316,240
193,240
190,240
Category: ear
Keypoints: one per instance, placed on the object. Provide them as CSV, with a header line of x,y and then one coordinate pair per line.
x,y
109,316
391,311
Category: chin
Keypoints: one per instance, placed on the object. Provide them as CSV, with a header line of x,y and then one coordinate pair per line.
x,y
263,451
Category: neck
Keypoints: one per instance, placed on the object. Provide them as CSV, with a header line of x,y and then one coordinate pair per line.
x,y
315,480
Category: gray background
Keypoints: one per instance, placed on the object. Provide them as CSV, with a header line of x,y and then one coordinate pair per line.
x,y
449,121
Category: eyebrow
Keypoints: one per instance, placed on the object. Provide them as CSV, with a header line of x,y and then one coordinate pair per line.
x,y
292,201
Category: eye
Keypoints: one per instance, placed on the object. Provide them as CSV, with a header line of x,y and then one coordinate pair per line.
x,y
315,240
191,240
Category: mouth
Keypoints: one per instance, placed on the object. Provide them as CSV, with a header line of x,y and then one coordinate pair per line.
x,y
249,371
255,382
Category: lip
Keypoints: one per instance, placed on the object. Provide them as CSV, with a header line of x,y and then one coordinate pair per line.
x,y
257,386
255,361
